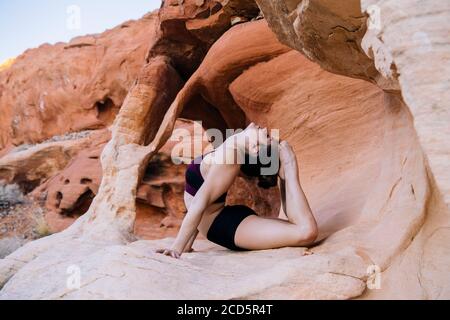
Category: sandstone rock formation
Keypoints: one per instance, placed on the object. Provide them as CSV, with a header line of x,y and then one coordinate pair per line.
x,y
6,64
30,167
327,32
134,272
363,162
73,181
401,38
408,41
71,87
199,25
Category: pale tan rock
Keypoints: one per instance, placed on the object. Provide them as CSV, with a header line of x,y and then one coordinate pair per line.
x,y
370,185
409,41
135,271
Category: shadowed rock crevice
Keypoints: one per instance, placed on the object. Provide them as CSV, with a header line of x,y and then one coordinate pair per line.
x,y
81,205
106,111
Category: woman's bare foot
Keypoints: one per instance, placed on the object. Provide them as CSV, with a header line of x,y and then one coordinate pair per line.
x,y
288,160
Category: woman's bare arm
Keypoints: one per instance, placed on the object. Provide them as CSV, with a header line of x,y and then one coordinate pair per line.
x,y
188,247
192,219
219,180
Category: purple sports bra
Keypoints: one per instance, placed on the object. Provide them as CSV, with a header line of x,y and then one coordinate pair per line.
x,y
194,179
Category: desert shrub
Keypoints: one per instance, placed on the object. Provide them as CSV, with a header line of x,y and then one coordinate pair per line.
x,y
10,196
41,228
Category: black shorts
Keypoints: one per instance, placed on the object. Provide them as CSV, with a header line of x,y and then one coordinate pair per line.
x,y
224,226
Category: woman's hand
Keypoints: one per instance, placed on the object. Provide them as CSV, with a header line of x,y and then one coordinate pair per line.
x,y
169,252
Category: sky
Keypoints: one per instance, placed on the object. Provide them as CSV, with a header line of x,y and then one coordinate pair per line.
x,y
27,24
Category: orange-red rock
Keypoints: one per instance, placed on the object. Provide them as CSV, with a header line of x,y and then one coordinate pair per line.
x,y
370,185
67,87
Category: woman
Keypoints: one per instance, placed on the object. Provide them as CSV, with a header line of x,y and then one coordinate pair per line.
x,y
239,227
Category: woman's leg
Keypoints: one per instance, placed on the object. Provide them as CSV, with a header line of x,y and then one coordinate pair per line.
x,y
257,233
298,210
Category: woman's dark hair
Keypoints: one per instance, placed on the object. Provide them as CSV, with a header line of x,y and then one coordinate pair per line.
x,y
254,166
